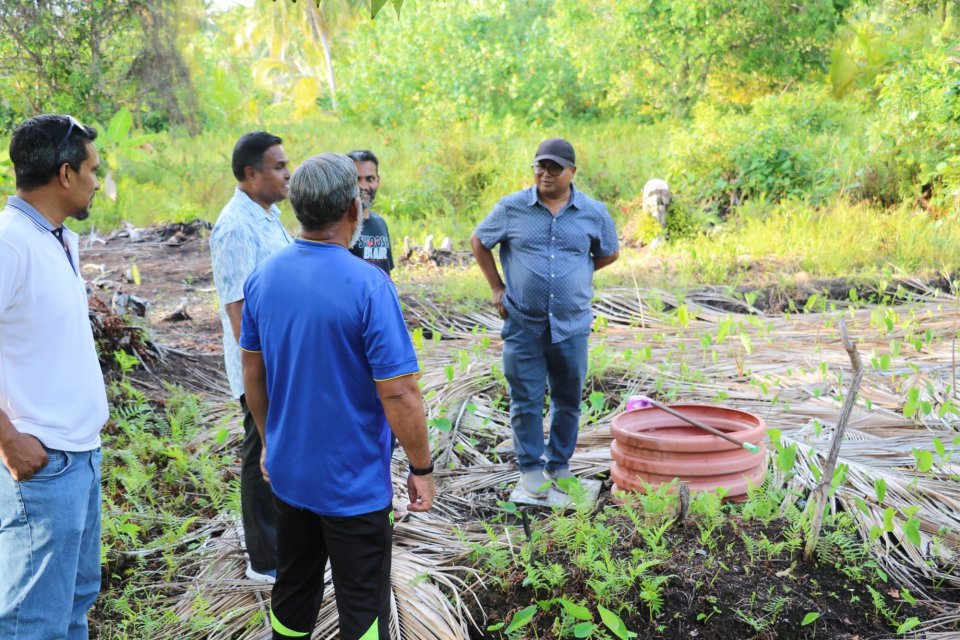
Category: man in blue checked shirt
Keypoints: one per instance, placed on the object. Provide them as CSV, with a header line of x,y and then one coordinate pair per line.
x,y
552,238
248,232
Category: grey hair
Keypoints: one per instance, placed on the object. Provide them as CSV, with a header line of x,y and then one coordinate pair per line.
x,y
322,188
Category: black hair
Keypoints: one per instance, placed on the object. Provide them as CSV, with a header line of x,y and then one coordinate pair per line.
x,y
40,145
363,155
249,150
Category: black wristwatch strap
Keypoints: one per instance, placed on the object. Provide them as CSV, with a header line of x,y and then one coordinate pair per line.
x,y
421,471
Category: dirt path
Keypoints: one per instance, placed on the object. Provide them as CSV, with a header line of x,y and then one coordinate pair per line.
x,y
155,272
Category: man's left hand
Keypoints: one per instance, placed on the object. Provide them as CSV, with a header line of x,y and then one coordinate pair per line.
x,y
422,491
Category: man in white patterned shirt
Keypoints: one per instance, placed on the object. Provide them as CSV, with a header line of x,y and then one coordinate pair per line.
x,y
248,232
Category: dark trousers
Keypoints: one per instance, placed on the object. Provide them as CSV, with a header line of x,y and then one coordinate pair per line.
x,y
256,500
360,552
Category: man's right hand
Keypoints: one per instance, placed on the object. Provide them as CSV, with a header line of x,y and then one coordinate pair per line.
x,y
23,456
498,302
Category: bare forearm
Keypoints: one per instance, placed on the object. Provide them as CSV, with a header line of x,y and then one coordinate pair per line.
x,y
487,264
7,431
257,403
235,314
600,263
403,406
255,389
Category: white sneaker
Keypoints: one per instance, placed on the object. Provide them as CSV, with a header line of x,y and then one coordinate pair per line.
x,y
268,576
558,474
534,483
560,478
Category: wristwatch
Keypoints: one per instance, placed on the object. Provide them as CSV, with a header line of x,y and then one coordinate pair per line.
x,y
421,471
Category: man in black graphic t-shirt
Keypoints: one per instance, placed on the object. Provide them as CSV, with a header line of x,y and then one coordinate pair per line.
x,y
374,243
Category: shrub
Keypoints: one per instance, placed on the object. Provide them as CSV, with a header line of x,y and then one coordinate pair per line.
x,y
917,127
784,146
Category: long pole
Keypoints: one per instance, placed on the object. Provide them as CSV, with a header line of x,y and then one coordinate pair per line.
x,y
749,446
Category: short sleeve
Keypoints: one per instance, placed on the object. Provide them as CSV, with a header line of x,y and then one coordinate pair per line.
x,y
234,256
605,243
493,229
249,329
386,232
11,275
386,342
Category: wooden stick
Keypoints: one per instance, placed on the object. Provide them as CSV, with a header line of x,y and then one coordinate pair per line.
x,y
822,490
749,446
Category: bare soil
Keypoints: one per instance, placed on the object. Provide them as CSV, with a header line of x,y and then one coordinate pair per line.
x,y
721,594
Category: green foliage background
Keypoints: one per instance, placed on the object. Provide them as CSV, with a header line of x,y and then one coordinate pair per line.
x,y
750,109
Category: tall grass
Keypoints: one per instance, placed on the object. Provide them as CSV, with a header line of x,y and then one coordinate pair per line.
x,y
838,238
439,182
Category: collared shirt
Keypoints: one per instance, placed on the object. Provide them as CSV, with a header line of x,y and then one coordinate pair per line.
x,y
64,236
244,236
51,386
548,259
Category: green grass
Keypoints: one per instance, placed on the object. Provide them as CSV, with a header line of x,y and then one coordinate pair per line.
x,y
437,181
444,181
837,239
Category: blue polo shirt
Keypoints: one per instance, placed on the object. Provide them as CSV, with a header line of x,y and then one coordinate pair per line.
x,y
548,259
328,325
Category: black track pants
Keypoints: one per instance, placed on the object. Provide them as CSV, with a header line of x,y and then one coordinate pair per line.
x,y
256,500
359,549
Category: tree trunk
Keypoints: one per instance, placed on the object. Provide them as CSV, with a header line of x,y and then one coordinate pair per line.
x,y
331,80
320,33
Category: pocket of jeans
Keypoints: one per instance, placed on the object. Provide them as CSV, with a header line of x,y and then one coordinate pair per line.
x,y
57,464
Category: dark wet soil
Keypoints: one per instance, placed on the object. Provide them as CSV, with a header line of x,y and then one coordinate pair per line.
x,y
719,594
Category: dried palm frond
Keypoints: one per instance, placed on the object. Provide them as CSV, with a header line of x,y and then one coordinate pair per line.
x,y
789,370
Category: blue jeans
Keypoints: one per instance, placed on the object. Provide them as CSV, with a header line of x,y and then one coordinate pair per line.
x,y
530,363
50,548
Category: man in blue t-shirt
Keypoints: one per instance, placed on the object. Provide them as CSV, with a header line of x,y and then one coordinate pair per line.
x,y
329,370
373,245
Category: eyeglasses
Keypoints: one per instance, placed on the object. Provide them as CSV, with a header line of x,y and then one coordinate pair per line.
x,y
74,124
553,169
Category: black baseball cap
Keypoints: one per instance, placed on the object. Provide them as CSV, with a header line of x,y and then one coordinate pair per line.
x,y
558,150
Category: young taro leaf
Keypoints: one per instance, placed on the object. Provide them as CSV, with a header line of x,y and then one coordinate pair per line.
x,y
787,458
908,624
615,624
809,618
577,611
880,486
911,529
521,618
596,401
924,460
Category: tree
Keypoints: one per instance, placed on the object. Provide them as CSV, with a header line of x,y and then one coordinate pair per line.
x,y
288,61
664,53
88,58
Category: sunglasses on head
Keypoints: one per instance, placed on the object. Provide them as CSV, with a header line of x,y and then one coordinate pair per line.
x,y
74,124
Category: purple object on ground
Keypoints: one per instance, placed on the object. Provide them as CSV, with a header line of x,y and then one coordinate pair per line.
x,y
638,402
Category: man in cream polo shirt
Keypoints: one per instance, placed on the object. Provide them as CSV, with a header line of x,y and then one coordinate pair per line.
x,y
52,398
